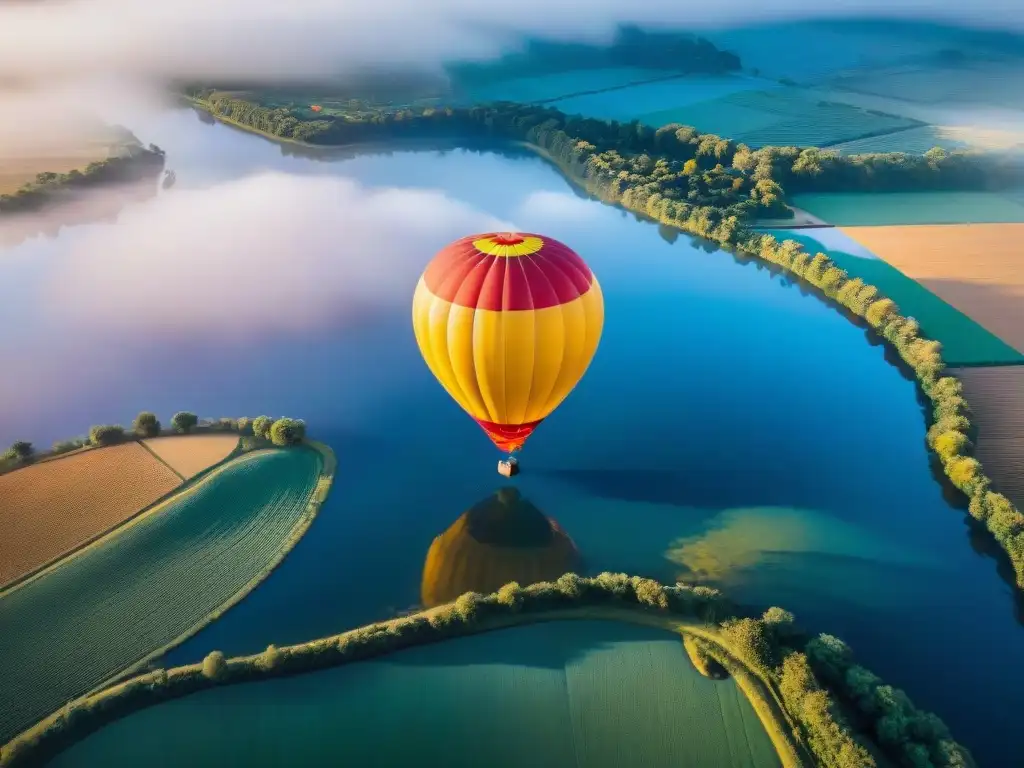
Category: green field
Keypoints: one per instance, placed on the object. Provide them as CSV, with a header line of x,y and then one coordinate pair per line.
x,y
976,84
556,85
780,116
866,209
964,342
583,693
916,140
148,584
635,102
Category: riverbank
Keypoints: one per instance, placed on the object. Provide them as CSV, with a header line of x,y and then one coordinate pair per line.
x,y
774,665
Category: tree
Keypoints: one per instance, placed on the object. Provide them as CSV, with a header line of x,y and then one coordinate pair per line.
x,y
261,426
214,665
287,431
183,421
106,434
22,450
146,424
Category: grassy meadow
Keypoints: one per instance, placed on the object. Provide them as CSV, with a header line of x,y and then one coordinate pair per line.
x,y
150,583
585,693
49,508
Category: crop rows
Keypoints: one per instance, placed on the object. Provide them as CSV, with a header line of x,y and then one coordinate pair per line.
x,y
125,598
637,694
49,508
916,141
819,130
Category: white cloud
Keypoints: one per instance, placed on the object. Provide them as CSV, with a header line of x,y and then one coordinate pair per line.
x,y
265,253
545,208
227,38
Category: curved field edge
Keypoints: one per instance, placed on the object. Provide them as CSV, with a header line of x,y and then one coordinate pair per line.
x,y
775,665
950,431
319,496
185,487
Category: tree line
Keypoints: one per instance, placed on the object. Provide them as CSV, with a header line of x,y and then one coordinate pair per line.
x,y
793,169
280,432
139,163
838,708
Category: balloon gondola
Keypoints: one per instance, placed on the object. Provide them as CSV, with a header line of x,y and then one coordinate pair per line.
x,y
508,324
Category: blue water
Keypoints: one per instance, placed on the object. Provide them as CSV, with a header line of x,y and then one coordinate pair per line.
x,y
730,428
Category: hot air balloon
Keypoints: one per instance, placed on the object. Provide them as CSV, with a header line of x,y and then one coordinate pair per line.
x,y
508,323
500,539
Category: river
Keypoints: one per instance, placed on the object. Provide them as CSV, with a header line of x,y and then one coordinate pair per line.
x,y
732,428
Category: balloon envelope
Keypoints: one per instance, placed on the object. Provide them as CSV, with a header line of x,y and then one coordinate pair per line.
x,y
508,323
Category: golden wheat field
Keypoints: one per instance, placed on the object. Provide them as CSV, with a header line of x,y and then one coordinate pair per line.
x,y
50,508
16,172
996,396
188,455
977,268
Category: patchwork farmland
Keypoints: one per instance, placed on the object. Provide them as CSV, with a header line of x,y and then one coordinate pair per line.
x,y
976,268
152,582
52,507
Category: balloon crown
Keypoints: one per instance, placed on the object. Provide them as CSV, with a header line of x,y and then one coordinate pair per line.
x,y
508,238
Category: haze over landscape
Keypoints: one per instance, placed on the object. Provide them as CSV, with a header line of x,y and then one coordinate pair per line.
x,y
750,270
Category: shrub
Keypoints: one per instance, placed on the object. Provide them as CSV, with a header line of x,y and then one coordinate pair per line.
x,y
467,605
650,592
244,425
287,431
183,422
261,426
20,451
146,424
63,446
106,434
511,595
226,425
750,638
270,658
214,665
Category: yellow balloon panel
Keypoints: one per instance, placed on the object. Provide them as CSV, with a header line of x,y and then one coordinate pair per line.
x,y
508,367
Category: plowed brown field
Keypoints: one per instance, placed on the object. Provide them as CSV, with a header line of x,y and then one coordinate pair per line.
x,y
996,396
188,455
50,508
977,268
